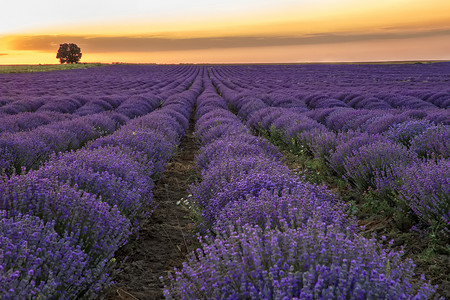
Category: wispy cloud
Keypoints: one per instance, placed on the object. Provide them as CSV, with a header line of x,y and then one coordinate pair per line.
x,y
103,44
3,54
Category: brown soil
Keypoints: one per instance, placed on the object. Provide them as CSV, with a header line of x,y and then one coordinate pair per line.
x,y
166,238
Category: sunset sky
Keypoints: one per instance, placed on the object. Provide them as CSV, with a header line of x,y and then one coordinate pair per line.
x,y
240,31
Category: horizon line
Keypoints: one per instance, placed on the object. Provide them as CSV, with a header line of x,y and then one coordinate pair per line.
x,y
409,61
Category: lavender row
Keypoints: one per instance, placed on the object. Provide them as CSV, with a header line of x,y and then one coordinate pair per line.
x,y
30,120
28,149
425,138
366,105
70,108
77,104
80,224
77,209
274,236
425,131
341,117
108,94
321,86
86,85
373,150
380,161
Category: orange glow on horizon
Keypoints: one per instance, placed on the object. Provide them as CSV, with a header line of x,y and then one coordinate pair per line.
x,y
390,50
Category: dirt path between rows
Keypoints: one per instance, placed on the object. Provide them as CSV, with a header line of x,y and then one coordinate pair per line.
x,y
166,239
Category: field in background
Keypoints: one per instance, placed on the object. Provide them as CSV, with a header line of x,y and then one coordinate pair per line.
x,y
44,68
5,69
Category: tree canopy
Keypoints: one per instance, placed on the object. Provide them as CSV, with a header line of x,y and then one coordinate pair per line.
x,y
69,53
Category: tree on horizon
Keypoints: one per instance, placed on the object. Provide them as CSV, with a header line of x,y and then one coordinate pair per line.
x,y
69,53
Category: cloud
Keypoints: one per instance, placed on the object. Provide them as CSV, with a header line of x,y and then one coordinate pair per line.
x,y
3,54
103,44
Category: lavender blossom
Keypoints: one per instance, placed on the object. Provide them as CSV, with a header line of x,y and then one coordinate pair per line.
x,y
37,262
426,190
313,261
364,163
433,142
98,228
404,132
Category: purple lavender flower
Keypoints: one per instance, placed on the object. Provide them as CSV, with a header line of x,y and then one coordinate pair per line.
x,y
383,123
313,261
30,120
249,105
349,142
227,170
249,183
294,206
426,189
404,132
291,125
235,146
153,145
440,116
98,228
131,195
138,105
433,142
368,160
35,261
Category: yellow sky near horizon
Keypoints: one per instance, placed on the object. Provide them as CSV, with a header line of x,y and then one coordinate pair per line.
x,y
235,31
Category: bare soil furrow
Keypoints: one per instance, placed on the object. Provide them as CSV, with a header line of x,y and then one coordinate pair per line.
x,y
164,241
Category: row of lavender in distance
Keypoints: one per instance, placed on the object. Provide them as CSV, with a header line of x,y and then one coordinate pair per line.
x,y
29,148
322,86
51,90
62,223
272,235
373,149
75,94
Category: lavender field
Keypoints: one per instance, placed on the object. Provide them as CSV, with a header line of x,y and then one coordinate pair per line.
x,y
83,152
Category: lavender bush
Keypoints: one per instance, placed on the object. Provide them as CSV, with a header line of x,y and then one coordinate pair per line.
x,y
293,124
350,141
28,121
154,146
426,190
131,166
294,206
231,174
251,183
309,262
132,197
382,123
138,105
30,148
440,116
404,132
98,228
37,262
362,166
433,142
321,143
235,146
